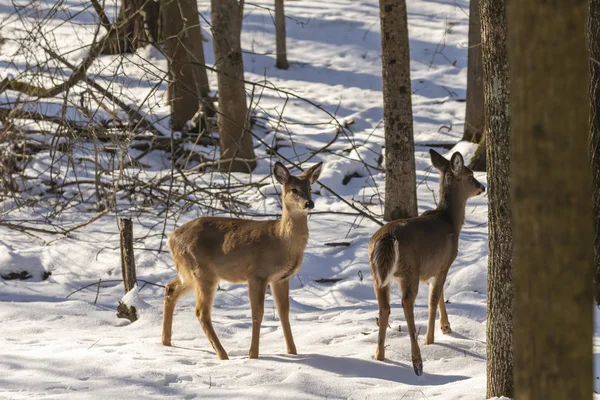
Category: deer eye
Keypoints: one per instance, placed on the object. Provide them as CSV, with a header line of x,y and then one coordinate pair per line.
x,y
295,191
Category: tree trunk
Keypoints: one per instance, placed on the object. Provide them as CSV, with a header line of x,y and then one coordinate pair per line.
x,y
478,162
594,46
551,200
474,122
282,62
497,136
132,34
235,139
400,178
188,83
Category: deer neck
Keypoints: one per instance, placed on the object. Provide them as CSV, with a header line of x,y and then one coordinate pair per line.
x,y
453,205
293,224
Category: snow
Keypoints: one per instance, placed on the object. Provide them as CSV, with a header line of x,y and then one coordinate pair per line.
x,y
56,348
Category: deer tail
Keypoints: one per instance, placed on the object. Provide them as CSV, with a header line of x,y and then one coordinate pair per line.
x,y
384,259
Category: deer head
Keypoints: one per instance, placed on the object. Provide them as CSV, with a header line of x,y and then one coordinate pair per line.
x,y
295,193
456,178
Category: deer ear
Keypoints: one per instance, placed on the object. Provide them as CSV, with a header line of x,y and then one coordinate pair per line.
x,y
282,175
312,174
438,160
457,163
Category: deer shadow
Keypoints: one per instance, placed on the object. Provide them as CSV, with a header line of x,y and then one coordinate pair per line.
x,y
353,367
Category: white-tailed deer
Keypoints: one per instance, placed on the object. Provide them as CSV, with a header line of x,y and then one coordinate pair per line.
x,y
422,249
261,253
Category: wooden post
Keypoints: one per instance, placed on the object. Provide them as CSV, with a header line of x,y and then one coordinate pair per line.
x,y
127,260
280,39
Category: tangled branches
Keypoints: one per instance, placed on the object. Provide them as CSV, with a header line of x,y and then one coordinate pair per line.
x,y
84,132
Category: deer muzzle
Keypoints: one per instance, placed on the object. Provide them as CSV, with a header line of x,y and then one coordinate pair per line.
x,y
309,205
481,189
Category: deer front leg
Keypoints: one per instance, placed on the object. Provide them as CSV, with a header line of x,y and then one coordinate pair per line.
x,y
410,289
256,291
281,295
435,292
444,323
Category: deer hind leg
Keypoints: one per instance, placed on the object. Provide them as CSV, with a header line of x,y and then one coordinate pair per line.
x,y
410,288
383,298
205,294
436,290
444,323
281,295
256,291
173,292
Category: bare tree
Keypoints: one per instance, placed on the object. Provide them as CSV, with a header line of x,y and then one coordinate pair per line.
x,y
551,200
188,83
594,46
138,23
474,122
497,134
400,178
237,153
282,62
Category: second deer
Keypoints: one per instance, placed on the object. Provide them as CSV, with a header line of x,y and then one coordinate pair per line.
x,y
422,249
261,253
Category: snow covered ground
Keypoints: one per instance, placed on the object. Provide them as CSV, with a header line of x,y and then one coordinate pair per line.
x,y
58,348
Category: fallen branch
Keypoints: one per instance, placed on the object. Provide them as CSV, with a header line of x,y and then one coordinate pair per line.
x,y
328,280
338,244
112,281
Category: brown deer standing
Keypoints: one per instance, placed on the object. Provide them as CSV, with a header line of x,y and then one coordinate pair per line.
x,y
422,249
261,253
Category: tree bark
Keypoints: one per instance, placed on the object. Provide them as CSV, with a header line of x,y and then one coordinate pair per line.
x,y
400,178
282,62
188,83
478,162
474,121
551,199
499,348
237,153
136,29
594,48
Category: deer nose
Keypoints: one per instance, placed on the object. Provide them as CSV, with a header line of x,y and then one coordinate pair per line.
x,y
482,188
309,205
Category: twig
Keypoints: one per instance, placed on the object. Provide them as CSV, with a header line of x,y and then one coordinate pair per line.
x,y
98,291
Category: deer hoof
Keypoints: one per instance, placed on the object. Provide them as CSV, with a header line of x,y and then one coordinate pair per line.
x,y
418,367
429,340
446,329
253,354
292,351
222,356
166,343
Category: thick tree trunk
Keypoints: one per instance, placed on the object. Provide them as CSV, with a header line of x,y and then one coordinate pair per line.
x,y
478,162
497,136
400,178
135,29
474,122
594,46
282,62
235,139
188,83
551,200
